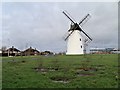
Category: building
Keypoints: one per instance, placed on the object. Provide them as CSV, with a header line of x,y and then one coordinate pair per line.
x,y
101,50
30,51
47,53
11,52
116,51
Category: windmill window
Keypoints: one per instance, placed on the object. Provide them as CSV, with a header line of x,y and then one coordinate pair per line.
x,y
80,39
81,46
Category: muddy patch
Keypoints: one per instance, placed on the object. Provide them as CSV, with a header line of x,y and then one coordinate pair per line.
x,y
23,61
16,62
42,70
54,69
45,70
85,71
61,79
100,65
84,74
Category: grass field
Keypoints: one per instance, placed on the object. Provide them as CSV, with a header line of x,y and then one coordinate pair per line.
x,y
84,71
0,72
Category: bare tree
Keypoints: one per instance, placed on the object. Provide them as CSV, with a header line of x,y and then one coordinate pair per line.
x,y
3,48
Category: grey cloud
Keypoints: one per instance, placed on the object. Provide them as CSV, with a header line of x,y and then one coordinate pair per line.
x,y
42,25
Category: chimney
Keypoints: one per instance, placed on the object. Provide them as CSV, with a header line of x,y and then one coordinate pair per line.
x,y
12,47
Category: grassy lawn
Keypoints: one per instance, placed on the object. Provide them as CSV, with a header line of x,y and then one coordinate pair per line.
x,y
0,72
84,71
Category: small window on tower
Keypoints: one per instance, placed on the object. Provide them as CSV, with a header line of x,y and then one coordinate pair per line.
x,y
80,39
81,46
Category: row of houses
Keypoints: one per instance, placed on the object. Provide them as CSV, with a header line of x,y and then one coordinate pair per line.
x,y
29,51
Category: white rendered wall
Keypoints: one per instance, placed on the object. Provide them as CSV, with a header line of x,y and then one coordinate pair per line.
x,y
74,44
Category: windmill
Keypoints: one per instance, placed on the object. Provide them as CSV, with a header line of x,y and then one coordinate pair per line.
x,y
76,43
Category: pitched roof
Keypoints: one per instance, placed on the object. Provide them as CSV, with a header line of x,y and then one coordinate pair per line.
x,y
31,50
13,49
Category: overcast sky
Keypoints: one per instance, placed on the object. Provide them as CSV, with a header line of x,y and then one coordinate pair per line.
x,y
42,25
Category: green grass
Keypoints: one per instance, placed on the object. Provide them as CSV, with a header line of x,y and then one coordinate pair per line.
x,y
20,72
0,73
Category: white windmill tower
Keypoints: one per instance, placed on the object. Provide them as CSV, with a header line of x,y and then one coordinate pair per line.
x,y
76,42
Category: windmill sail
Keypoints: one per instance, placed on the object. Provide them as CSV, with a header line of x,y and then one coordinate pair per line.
x,y
86,34
77,26
68,17
85,19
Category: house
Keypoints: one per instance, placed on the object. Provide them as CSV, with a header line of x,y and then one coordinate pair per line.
x,y
11,52
30,51
46,53
116,51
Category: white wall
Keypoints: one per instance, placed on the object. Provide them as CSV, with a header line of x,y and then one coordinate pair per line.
x,y
74,44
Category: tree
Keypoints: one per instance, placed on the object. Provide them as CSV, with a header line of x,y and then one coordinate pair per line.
x,y
3,48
